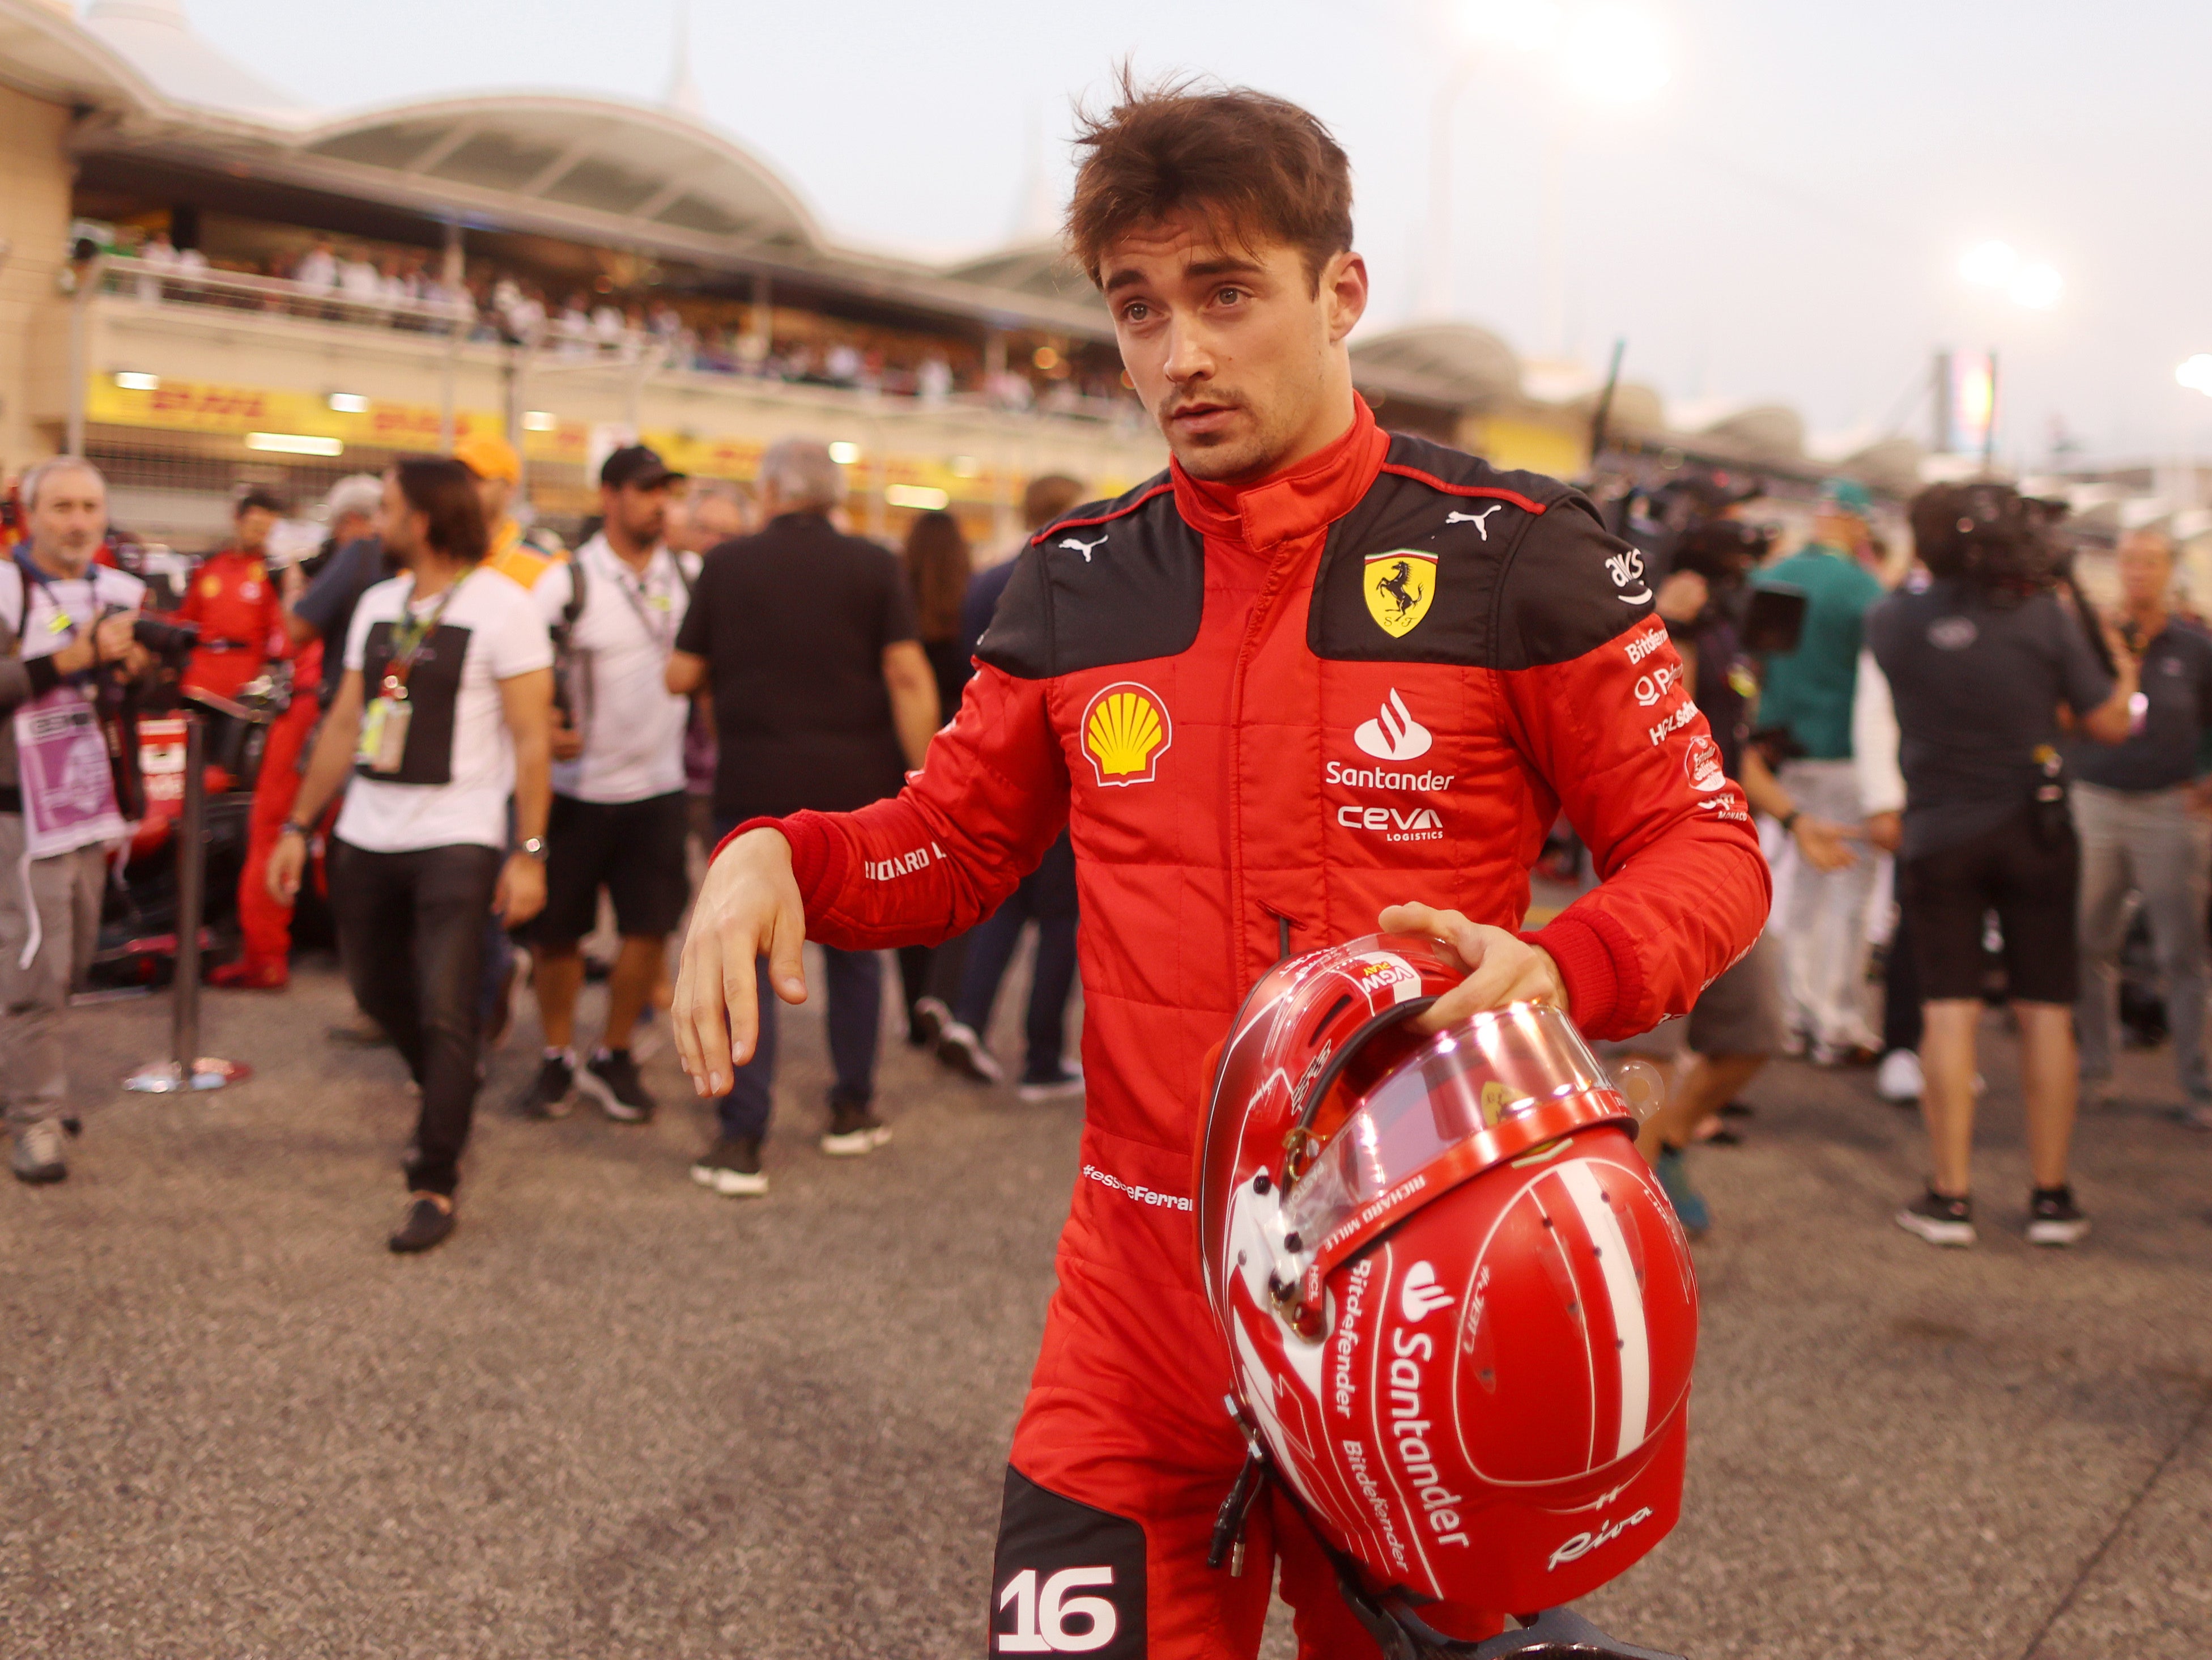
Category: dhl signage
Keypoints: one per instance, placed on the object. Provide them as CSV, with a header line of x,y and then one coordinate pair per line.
x,y
208,407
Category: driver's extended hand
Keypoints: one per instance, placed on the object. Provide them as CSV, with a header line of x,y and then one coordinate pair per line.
x,y
1501,968
749,907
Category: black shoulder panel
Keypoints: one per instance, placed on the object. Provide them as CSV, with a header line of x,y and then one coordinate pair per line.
x,y
1447,559
1117,581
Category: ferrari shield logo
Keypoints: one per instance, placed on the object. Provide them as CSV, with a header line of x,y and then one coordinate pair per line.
x,y
1399,585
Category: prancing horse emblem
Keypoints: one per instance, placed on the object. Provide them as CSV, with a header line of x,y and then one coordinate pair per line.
x,y
1083,548
1474,518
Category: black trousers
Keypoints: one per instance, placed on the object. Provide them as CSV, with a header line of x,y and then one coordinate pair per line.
x,y
410,932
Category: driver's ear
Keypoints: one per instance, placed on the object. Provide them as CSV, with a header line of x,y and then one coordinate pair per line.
x,y
1344,291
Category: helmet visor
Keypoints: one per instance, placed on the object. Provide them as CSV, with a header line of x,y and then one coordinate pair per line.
x,y
1470,1078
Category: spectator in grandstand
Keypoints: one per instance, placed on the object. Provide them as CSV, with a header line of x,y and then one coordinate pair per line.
x,y
1736,1026
360,280
318,268
938,567
1808,693
57,638
264,923
619,816
2141,818
1046,896
458,724
822,697
1979,676
234,602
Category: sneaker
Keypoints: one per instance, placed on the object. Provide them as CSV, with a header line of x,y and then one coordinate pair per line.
x,y
1674,1174
853,1131
249,974
1939,1221
732,1167
37,1155
1836,1055
1063,1080
612,1076
960,1048
1899,1079
926,1020
552,1092
2100,1092
429,1220
2053,1217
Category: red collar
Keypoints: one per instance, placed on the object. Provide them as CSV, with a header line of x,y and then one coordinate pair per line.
x,y
1305,498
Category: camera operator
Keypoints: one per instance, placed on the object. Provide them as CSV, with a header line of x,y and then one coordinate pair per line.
x,y
1979,660
1737,1024
65,622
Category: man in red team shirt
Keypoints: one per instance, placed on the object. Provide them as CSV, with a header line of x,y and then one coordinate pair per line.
x,y
1314,680
234,600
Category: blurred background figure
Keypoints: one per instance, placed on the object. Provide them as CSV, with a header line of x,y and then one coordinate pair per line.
x,y
1980,662
822,698
708,513
1807,692
2141,819
234,601
1046,896
938,570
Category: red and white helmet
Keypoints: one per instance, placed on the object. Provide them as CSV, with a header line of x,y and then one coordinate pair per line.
x,y
1461,1313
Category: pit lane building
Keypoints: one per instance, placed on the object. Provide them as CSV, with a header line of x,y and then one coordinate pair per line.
x,y
204,280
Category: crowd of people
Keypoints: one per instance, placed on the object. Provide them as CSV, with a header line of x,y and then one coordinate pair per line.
x,y
1966,767
489,738
404,289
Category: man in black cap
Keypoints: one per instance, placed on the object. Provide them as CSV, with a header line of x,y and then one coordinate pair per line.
x,y
619,813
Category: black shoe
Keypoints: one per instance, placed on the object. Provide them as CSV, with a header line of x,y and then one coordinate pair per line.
x,y
960,1048
2053,1217
925,1020
552,1092
1062,1080
733,1168
611,1077
429,1220
1939,1221
853,1131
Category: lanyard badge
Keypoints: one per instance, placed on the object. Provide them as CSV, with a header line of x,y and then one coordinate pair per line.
x,y
385,722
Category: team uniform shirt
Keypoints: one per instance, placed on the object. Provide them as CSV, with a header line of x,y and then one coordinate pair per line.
x,y
1809,690
1976,688
234,601
632,725
529,568
2172,715
47,615
458,769
1265,713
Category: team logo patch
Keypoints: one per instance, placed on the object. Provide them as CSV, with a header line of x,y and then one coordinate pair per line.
x,y
1399,585
1126,730
1701,764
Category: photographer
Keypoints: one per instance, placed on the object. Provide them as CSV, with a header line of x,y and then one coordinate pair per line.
x,y
65,622
1980,660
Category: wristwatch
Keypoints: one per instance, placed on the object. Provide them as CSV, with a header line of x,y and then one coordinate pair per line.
x,y
534,846
1789,820
293,827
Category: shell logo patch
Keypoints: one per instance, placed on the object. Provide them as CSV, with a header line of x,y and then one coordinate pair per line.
x,y
1126,730
1399,585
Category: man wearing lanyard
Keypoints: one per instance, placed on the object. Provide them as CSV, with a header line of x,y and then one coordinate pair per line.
x,y
619,813
64,621
458,723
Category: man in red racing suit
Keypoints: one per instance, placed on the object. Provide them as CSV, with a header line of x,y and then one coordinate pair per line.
x,y
1269,704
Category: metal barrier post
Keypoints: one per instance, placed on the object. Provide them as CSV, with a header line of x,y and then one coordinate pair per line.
x,y
185,1068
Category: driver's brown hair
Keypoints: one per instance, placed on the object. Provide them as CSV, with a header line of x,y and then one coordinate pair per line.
x,y
1258,168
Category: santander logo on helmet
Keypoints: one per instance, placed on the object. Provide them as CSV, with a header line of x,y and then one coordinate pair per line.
x,y
1420,1296
1393,734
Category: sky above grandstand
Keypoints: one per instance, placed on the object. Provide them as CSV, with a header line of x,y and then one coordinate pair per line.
x,y
1783,222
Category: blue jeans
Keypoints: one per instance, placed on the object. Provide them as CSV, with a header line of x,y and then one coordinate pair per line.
x,y
855,993
1047,895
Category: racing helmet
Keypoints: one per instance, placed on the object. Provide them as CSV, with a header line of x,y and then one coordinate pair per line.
x,y
1460,1313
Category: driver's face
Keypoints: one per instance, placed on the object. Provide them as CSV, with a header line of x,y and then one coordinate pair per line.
x,y
1232,348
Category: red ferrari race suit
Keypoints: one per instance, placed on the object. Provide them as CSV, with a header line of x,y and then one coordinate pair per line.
x,y
1266,714
234,598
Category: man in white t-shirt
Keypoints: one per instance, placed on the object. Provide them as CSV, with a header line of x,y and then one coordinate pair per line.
x,y
619,810
64,622
443,715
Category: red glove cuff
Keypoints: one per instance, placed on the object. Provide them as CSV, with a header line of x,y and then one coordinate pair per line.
x,y
1593,965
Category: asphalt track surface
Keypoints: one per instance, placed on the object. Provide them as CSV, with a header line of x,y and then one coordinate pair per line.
x,y
618,1416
